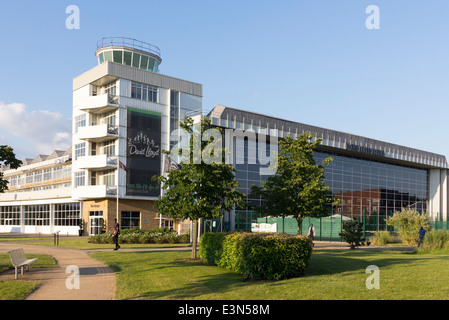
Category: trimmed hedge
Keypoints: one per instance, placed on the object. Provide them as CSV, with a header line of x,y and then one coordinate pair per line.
x,y
256,255
135,235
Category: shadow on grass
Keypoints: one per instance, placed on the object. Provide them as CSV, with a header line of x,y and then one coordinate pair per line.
x,y
327,262
192,284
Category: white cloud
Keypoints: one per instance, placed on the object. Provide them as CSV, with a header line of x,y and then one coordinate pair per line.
x,y
45,130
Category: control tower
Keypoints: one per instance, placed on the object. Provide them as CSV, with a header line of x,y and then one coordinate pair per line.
x,y
130,52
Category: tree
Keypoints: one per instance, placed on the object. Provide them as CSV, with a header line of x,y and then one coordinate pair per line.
x,y
298,187
407,222
199,188
352,233
7,157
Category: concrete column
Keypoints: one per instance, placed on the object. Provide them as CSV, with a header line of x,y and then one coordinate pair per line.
x,y
434,194
443,195
438,194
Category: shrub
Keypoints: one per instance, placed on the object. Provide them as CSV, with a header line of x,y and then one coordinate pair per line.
x,y
135,235
382,238
211,247
435,240
352,233
407,222
101,238
258,256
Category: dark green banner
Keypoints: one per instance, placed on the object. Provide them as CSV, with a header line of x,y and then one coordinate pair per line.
x,y
143,155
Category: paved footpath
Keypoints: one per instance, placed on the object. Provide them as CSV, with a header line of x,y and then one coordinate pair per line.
x,y
96,282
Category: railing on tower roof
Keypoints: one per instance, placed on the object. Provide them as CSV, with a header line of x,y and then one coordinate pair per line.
x,y
130,43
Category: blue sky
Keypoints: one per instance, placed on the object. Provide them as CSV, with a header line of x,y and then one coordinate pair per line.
x,y
313,62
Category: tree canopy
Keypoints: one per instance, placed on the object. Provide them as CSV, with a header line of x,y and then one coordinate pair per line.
x,y
7,157
298,187
199,188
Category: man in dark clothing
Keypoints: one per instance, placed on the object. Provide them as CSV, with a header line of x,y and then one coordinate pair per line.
x,y
422,233
115,233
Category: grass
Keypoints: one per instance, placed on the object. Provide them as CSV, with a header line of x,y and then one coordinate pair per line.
x,y
19,289
332,274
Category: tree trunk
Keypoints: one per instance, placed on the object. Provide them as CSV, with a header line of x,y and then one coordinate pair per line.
x,y
194,238
299,220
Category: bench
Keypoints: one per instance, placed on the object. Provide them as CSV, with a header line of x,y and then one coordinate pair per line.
x,y
19,260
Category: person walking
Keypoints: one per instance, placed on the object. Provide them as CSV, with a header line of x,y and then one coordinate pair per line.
x,y
115,234
422,233
311,234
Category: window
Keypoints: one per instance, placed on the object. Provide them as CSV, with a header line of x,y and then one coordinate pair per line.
x,y
80,121
130,219
80,150
127,58
109,148
13,181
38,176
168,224
144,92
67,214
57,172
109,177
111,89
10,215
109,118
136,60
30,177
144,62
117,55
136,90
80,179
37,215
47,174
174,113
67,171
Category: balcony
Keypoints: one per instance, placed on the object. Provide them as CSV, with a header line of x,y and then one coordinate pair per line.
x,y
98,104
94,192
99,133
100,162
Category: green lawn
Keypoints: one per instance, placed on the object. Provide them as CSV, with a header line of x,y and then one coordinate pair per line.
x,y
19,289
332,274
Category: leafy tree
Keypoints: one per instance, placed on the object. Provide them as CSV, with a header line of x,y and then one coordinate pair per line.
x,y
7,157
408,222
352,233
298,188
199,189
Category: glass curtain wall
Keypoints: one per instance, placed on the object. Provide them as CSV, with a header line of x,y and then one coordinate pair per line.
x,y
371,191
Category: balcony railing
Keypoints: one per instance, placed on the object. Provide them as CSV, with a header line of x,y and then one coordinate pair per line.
x,y
94,192
98,162
98,133
98,104
128,42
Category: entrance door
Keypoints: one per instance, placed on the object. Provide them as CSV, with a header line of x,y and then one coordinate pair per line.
x,y
95,222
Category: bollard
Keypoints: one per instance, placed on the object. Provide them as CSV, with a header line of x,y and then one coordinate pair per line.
x,y
56,238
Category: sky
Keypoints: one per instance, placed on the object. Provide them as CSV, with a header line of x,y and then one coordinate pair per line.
x,y
309,61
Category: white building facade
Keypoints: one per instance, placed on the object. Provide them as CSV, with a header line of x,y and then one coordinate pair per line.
x,y
123,113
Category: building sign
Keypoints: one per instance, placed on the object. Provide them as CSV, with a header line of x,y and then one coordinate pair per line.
x,y
357,148
143,156
263,227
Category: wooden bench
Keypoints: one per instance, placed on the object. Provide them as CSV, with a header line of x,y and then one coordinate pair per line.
x,y
19,260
